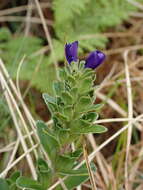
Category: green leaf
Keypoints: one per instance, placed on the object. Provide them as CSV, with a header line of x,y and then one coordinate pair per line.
x,y
49,99
60,117
63,74
60,101
94,107
98,106
67,98
91,129
64,162
73,181
68,111
63,135
77,172
12,180
15,175
71,79
83,103
42,165
76,125
5,34
81,126
80,173
52,107
3,184
73,92
82,65
76,154
14,187
48,141
44,173
87,73
24,182
85,85
58,87
91,116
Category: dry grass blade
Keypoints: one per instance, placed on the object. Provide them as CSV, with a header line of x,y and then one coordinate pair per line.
x,y
99,160
112,103
12,155
29,14
130,116
22,8
47,36
26,110
23,19
107,78
116,107
135,3
10,101
18,73
62,184
140,59
122,49
18,160
91,175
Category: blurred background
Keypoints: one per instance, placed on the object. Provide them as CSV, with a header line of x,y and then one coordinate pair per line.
x,y
32,38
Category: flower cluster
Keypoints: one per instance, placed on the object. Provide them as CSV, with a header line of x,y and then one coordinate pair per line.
x,y
94,59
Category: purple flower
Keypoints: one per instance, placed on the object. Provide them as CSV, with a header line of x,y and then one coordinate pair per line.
x,y
94,59
71,51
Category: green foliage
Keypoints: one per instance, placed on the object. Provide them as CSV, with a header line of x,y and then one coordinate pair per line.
x,y
10,183
3,185
24,182
69,9
4,114
44,173
81,19
73,181
12,180
36,69
45,134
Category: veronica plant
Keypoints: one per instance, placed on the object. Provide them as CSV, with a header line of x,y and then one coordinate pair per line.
x,y
73,113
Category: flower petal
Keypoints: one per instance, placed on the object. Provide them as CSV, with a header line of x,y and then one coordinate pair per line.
x,y
94,59
71,51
